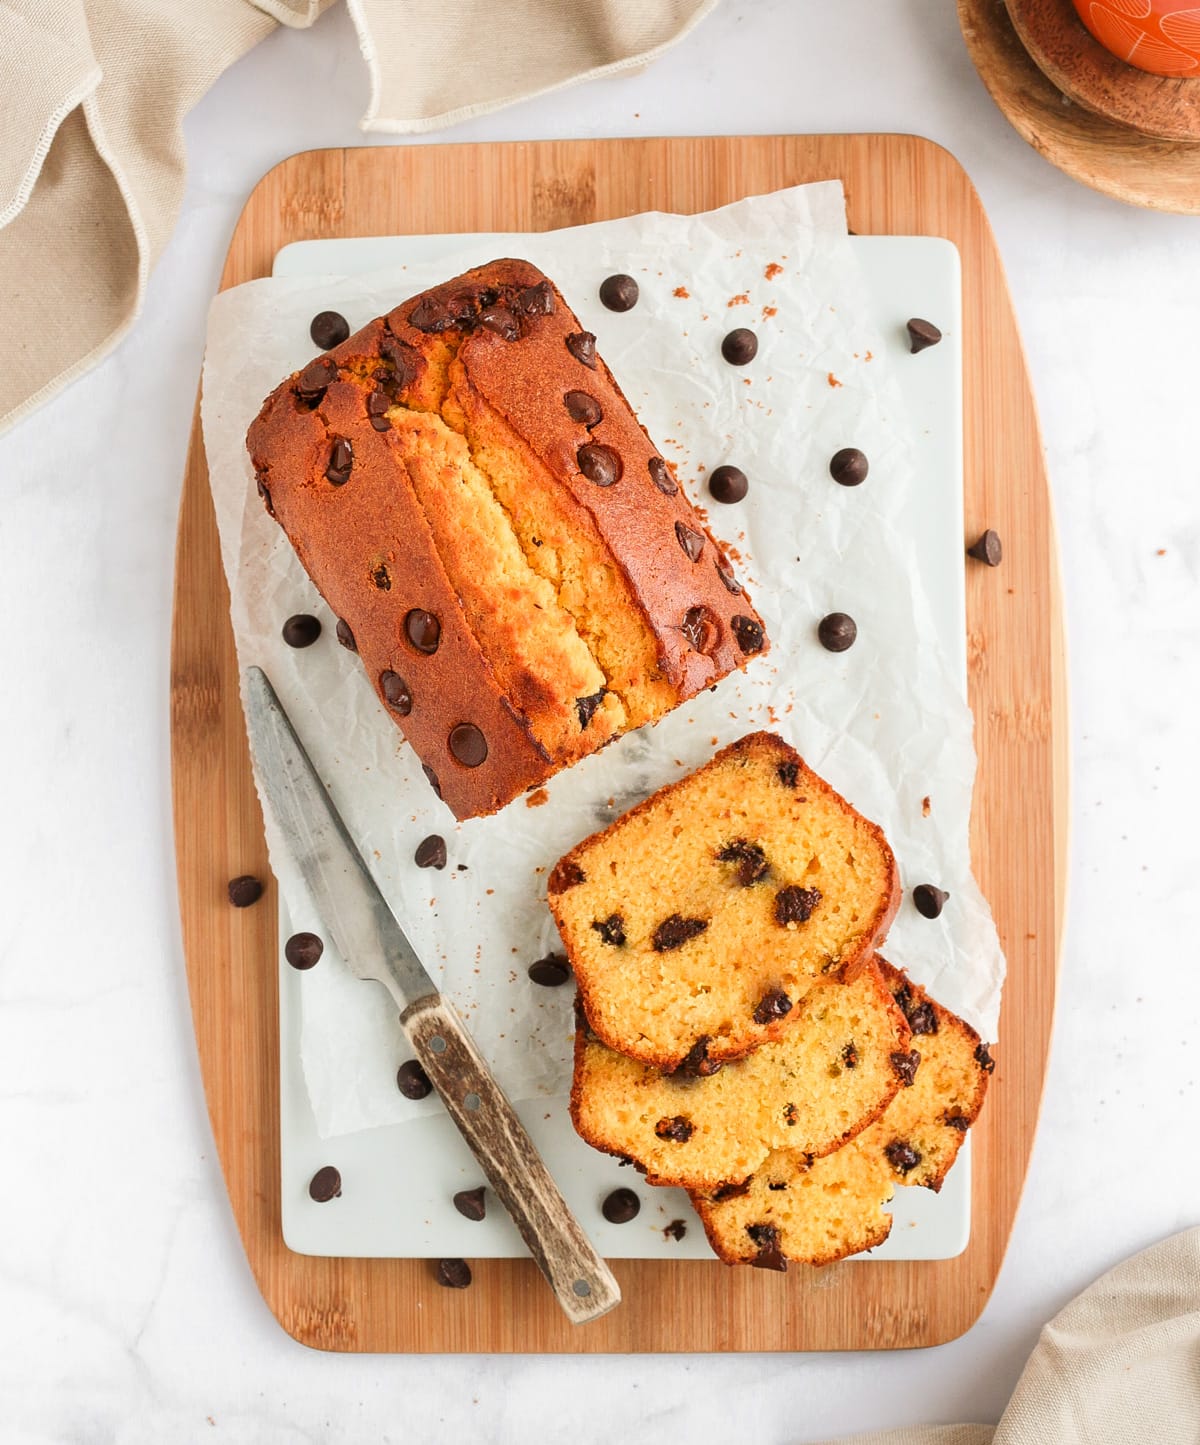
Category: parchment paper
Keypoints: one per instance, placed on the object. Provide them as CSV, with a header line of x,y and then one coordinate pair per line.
x,y
884,722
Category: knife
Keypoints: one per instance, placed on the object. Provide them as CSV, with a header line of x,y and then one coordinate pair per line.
x,y
374,946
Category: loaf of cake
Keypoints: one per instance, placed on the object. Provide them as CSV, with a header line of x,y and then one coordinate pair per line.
x,y
832,1073
503,545
815,1211
697,921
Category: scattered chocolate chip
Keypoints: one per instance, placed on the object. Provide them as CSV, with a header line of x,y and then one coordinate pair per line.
x,y
850,1056
395,692
749,634
728,484
740,346
929,900
328,329
312,382
566,874
599,464
795,905
902,1156
750,858
586,706
772,1005
696,1063
621,1206
922,1018
301,630
468,745
837,632
922,334
691,542
244,891
984,1059
770,1254
471,1203
582,346
700,628
326,1184
550,972
341,461
849,467
987,549
675,931
454,1273
536,300
381,577
431,852
660,475
611,930
423,630
905,1066
500,320
676,1130
725,573
265,495
619,293
787,773
303,950
345,635
583,408
378,404
413,1081
675,1230
432,779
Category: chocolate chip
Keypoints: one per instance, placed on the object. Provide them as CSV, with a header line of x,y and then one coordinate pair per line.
x,y
770,1254
536,300
849,467
326,1184
378,404
583,408
341,460
265,495
929,900
700,628
660,475
772,1005
987,549
696,1063
621,1206
582,346
432,779
381,577
902,1156
619,293
301,630
500,320
675,1230
778,1184
345,635
454,1273
728,484
850,1056
956,1121
675,931
406,362
611,930
599,464
905,1066
749,634
413,1081
431,852
691,542
787,773
471,1203
740,346
984,1059
303,950
791,1116
328,329
423,630
734,1191
676,1130
550,972
922,1018
586,706
837,632
468,745
244,891
566,874
750,858
395,692
433,316
795,905
725,573
922,334
315,378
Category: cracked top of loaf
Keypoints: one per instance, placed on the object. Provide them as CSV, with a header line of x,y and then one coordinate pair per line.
x,y
499,538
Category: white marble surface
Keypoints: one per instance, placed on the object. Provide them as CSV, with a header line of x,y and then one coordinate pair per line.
x,y
129,1313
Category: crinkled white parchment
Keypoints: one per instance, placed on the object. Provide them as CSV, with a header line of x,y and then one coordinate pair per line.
x,y
884,722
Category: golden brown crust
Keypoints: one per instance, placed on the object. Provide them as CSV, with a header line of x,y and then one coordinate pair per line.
x,y
504,330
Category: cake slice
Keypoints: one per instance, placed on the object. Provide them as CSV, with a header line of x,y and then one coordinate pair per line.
x,y
815,1211
834,1071
697,921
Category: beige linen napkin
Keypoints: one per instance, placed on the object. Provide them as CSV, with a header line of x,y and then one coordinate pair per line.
x,y
1119,1366
93,95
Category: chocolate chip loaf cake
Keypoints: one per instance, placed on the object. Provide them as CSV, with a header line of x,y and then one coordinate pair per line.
x,y
502,543
815,1211
834,1072
698,921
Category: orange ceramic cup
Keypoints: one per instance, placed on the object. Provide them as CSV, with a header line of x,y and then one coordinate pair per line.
x,y
1161,36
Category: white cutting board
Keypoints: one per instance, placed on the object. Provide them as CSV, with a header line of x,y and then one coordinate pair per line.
x,y
398,1180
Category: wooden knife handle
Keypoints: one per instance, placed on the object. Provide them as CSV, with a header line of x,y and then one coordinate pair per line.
x,y
581,1280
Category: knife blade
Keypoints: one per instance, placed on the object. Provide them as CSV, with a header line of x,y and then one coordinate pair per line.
x,y
372,942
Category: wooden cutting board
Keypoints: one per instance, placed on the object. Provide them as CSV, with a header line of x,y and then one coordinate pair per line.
x,y
895,185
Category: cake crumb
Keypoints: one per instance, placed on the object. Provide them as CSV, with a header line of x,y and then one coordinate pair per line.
x,y
769,311
742,299
925,806
773,269
537,798
833,381
1162,552
682,292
